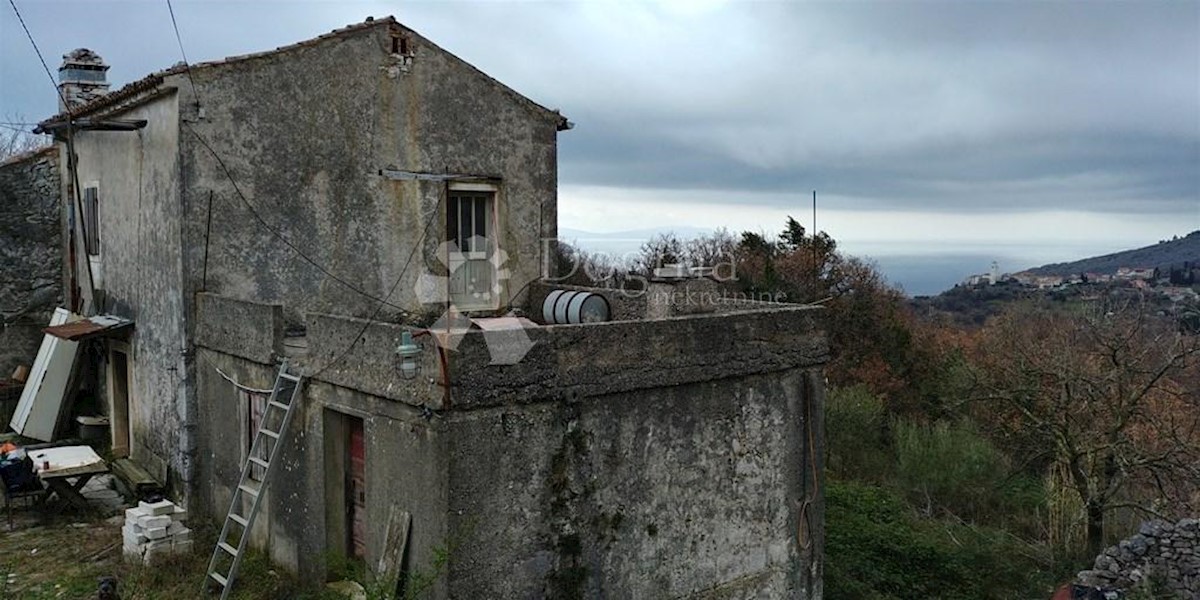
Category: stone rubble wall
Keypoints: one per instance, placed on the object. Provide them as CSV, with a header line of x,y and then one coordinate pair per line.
x,y
1161,552
31,264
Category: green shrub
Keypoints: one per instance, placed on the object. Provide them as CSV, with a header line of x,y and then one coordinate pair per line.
x,y
857,435
952,467
876,549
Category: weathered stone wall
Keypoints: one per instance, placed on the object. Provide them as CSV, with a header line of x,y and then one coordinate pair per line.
x,y
630,459
30,254
643,459
404,444
316,179
1160,554
141,274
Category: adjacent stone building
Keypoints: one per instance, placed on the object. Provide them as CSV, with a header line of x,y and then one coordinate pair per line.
x,y
31,253
316,202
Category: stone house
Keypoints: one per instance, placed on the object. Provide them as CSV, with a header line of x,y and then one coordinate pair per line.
x,y
320,202
30,254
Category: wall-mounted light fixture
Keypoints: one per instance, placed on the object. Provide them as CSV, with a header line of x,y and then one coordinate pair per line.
x,y
408,352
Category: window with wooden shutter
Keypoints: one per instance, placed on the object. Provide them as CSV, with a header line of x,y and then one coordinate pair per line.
x,y
91,220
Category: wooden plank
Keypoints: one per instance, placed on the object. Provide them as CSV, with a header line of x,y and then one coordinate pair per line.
x,y
394,544
138,480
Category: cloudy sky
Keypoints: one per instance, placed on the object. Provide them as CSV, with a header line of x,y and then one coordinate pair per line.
x,y
1050,129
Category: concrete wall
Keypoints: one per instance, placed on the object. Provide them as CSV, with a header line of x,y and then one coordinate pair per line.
x,y
669,459
305,134
640,459
141,273
405,445
30,254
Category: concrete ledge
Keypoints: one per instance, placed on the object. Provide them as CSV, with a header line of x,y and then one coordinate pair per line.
x,y
572,361
250,330
370,365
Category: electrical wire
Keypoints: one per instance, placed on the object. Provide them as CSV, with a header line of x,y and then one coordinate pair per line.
x,y
226,377
371,319
275,232
71,166
187,65
250,207
38,51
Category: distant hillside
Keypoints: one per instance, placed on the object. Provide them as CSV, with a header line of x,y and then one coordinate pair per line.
x,y
1162,254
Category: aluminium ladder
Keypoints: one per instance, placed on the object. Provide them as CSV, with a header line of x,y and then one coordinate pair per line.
x,y
266,444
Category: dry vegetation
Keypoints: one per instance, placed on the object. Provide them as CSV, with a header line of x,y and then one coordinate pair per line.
x,y
63,559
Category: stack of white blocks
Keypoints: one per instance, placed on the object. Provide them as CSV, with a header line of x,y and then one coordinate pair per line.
x,y
154,530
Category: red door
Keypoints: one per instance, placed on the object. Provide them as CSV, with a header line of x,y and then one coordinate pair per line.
x,y
357,490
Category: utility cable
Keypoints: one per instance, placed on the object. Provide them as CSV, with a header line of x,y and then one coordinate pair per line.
x,y
187,65
275,232
371,319
71,166
38,51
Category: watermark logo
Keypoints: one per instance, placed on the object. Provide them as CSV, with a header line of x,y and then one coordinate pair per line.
x,y
475,276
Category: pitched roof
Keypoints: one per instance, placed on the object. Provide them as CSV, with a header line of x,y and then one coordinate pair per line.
x,y
153,80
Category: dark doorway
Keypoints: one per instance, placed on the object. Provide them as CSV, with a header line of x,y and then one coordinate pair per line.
x,y
345,485
119,397
356,490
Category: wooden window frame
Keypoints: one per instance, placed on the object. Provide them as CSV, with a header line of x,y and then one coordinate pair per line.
x,y
91,218
481,220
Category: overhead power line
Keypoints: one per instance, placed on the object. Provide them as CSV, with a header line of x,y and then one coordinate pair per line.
x,y
392,290
38,51
275,232
385,301
187,65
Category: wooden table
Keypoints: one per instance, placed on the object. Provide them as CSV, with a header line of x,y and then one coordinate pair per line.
x,y
66,469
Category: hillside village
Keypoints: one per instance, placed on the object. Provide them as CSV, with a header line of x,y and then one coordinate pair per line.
x,y
1178,285
1170,275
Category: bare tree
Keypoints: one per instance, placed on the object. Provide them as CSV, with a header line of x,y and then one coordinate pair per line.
x,y
712,249
1105,393
661,249
16,137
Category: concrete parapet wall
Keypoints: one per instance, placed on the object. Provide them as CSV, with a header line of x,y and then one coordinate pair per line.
x,y
357,355
571,361
251,330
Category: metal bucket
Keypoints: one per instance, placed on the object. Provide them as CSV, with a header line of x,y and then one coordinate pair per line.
x,y
571,307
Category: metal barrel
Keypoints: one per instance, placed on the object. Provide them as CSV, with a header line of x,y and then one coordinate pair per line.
x,y
572,307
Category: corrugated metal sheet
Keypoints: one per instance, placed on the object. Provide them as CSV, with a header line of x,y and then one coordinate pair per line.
x,y
89,327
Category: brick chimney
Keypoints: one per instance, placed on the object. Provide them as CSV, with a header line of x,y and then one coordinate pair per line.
x,y
81,78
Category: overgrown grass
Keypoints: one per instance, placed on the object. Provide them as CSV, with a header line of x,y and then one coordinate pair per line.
x,y
929,510
950,468
878,549
63,560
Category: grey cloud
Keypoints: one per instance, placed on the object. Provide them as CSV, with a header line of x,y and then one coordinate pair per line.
x,y
949,106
